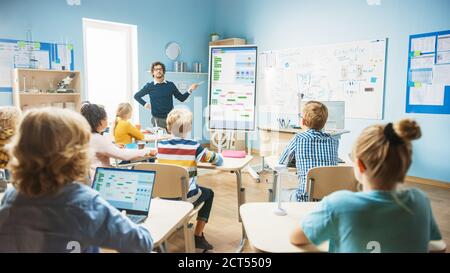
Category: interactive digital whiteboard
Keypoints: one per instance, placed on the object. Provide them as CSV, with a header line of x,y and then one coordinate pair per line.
x,y
232,87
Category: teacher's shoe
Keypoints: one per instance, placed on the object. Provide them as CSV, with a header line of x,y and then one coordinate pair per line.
x,y
201,243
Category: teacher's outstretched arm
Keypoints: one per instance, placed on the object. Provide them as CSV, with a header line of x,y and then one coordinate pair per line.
x,y
182,97
142,93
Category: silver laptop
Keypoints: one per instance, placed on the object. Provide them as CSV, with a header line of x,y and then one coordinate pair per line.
x,y
128,190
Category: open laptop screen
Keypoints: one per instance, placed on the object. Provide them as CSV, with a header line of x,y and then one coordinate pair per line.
x,y
124,189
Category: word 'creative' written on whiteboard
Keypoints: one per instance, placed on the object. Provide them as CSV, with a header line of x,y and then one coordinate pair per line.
x,y
351,72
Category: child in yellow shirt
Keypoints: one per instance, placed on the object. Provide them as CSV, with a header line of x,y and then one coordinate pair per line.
x,y
124,131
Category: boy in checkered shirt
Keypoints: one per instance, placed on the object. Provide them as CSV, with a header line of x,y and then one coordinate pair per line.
x,y
312,147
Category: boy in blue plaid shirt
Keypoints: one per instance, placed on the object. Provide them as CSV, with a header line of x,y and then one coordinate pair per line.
x,y
311,148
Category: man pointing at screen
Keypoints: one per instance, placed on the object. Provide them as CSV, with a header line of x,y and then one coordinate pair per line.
x,y
161,93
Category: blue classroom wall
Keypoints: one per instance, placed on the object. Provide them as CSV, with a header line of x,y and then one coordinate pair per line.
x,y
268,23
158,22
286,24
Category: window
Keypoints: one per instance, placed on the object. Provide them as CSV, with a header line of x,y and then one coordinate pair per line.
x,y
110,63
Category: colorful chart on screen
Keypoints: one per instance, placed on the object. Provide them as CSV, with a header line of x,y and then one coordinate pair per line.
x,y
232,87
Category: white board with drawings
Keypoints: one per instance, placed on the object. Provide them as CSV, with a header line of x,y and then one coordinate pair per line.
x,y
352,72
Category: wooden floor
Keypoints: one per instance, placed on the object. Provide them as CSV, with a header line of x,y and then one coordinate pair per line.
x,y
224,231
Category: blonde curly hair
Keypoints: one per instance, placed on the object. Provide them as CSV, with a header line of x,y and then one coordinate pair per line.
x,y
51,150
179,122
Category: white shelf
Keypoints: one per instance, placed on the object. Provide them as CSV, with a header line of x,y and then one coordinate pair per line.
x,y
43,79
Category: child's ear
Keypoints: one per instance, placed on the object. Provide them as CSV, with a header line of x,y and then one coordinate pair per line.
x,y
360,165
304,122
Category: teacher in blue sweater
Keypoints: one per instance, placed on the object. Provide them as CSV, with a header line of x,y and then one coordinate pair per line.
x,y
161,93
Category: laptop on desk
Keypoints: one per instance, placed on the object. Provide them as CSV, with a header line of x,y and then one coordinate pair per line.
x,y
126,190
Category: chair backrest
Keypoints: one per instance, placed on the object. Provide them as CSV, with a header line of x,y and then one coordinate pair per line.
x,y
322,181
171,181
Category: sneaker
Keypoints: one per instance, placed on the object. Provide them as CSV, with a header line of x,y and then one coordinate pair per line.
x,y
200,242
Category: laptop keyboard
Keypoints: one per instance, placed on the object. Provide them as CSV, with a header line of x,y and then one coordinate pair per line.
x,y
136,218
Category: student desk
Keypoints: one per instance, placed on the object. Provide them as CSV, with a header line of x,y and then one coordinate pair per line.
x,y
165,217
153,137
268,232
234,165
274,140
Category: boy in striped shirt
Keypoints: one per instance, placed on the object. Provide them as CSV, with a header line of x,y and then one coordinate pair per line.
x,y
186,152
311,148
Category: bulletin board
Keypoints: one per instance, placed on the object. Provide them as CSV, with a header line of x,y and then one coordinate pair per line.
x,y
37,55
428,80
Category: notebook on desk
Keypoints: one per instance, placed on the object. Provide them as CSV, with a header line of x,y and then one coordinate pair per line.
x,y
233,154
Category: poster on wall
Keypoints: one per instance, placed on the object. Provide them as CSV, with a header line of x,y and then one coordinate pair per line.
x,y
428,80
33,55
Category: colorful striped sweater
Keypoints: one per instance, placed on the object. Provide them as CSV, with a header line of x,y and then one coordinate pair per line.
x,y
186,153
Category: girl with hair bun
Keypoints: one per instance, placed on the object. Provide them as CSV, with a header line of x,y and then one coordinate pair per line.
x,y
380,218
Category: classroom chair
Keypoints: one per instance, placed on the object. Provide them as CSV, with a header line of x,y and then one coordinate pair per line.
x,y
322,181
171,182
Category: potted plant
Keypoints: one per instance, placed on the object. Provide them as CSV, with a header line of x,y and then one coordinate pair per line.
x,y
214,36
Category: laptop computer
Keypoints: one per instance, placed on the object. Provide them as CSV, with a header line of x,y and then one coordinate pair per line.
x,y
126,190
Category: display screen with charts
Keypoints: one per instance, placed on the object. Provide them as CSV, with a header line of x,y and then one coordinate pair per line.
x,y
232,87
125,189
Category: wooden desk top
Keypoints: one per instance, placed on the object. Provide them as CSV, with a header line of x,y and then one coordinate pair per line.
x,y
335,132
229,164
269,232
153,137
165,216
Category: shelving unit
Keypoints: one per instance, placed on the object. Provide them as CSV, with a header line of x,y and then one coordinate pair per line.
x,y
229,41
31,89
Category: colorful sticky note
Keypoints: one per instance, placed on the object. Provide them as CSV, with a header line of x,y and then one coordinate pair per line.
x,y
373,79
21,44
37,45
417,84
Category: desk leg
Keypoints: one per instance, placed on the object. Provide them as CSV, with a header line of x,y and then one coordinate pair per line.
x,y
243,240
241,200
